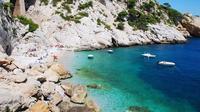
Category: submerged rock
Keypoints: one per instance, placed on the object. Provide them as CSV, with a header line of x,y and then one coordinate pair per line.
x,y
80,109
94,86
138,109
92,105
79,94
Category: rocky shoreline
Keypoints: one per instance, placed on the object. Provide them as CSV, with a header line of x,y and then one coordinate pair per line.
x,y
37,88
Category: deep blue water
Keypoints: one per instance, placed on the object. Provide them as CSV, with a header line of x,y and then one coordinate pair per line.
x,y
128,79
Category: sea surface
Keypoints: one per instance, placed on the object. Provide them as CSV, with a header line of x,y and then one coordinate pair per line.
x,y
128,79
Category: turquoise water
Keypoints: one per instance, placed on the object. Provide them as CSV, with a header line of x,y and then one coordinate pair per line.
x,y
128,79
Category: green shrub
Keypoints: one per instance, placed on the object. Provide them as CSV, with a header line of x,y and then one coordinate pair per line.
x,y
85,5
69,1
76,18
55,2
121,16
133,14
100,22
8,5
148,6
32,26
174,15
66,7
120,26
45,2
167,5
131,3
83,14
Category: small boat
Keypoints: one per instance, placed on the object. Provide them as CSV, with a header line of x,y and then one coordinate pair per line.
x,y
90,56
166,63
148,55
110,51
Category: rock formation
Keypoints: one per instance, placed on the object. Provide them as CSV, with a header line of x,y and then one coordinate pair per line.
x,y
7,31
192,24
19,8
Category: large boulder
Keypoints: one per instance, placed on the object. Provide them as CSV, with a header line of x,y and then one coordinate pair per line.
x,y
192,24
39,106
9,99
60,70
48,88
79,94
67,88
56,72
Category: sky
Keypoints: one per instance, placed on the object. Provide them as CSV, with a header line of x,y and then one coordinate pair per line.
x,y
184,6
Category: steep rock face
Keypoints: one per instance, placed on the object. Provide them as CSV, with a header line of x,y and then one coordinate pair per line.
x,y
7,31
89,34
192,24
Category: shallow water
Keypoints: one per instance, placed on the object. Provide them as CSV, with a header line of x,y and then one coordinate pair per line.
x,y
128,79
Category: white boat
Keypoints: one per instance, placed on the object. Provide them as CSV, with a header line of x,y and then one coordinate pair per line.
x,y
149,55
166,63
90,56
110,51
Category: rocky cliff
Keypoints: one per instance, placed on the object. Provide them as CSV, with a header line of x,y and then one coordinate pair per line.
x,y
7,31
192,24
83,25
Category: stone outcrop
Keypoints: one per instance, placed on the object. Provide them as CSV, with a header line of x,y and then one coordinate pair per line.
x,y
79,93
39,107
19,8
192,24
7,31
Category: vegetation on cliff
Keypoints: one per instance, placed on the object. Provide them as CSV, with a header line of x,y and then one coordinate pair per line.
x,y
148,13
32,26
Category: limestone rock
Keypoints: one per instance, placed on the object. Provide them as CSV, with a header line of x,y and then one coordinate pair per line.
x,y
6,32
39,106
48,88
192,24
64,106
21,78
51,75
92,105
56,72
9,98
55,98
79,94
67,88
29,89
60,70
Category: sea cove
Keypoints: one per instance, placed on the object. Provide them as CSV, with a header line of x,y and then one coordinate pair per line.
x,y
128,79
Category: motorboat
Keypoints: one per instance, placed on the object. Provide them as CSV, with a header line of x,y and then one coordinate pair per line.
x,y
90,56
166,63
148,55
110,51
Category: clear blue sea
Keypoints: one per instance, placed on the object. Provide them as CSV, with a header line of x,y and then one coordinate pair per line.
x,y
128,79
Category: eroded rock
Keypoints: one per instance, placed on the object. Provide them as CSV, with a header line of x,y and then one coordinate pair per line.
x,y
39,106
79,94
